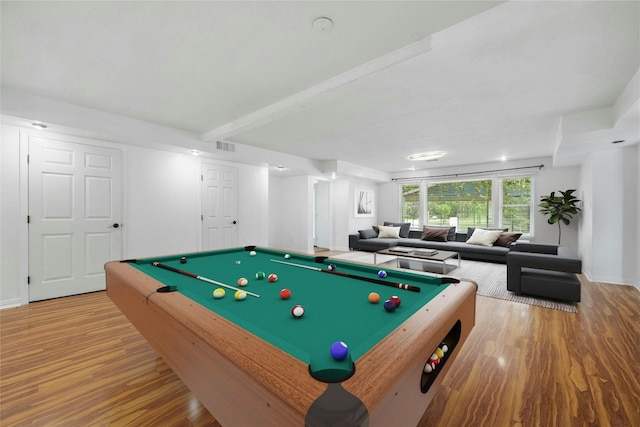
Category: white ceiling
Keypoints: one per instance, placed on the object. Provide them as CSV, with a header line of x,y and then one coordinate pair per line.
x,y
477,79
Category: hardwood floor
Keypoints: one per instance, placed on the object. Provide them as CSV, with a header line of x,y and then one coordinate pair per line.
x,y
77,361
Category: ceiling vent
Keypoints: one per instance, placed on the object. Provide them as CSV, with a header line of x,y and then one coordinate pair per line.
x,y
225,146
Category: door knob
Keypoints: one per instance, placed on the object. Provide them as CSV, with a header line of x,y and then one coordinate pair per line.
x,y
235,222
114,225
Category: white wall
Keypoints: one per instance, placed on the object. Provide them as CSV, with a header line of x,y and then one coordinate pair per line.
x,y
11,220
161,207
291,213
610,229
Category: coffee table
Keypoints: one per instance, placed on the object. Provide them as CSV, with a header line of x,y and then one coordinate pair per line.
x,y
420,254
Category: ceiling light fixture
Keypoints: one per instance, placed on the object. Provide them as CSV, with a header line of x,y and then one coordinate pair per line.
x,y
195,152
322,24
39,125
428,156
280,168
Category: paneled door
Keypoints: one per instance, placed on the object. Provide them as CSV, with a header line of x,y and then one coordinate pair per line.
x,y
219,206
74,216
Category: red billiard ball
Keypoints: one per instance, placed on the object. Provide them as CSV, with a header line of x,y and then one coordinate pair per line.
x,y
273,277
396,300
285,294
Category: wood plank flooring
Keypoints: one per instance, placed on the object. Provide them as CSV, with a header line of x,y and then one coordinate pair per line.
x,y
77,361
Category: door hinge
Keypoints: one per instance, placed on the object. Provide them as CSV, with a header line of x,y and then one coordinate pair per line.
x,y
28,219
201,177
27,159
28,280
201,217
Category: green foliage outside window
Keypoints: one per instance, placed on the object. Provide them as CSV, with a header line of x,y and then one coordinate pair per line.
x,y
468,201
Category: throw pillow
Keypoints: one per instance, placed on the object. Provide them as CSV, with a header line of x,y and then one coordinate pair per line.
x,y
404,227
435,234
484,237
506,239
389,232
470,230
368,234
451,231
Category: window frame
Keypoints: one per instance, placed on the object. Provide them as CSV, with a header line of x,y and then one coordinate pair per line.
x,y
497,198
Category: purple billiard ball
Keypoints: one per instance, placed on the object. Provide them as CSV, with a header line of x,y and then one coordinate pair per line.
x,y
339,350
331,267
382,273
389,305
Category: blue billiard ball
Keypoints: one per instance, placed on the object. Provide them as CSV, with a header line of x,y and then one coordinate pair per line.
x,y
382,273
332,267
339,350
389,305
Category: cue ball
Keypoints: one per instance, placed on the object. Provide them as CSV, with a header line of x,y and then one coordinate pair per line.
x,y
183,260
374,297
242,281
297,311
287,256
332,267
396,300
382,273
218,293
240,295
428,368
339,350
260,275
252,253
389,305
273,277
285,294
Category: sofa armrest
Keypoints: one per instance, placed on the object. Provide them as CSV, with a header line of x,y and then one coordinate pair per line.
x,y
353,240
544,262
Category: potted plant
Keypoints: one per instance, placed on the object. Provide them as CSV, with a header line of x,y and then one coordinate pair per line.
x,y
559,208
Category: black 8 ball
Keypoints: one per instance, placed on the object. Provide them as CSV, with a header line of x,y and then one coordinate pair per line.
x,y
183,260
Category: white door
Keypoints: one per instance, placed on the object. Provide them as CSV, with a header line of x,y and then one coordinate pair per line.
x,y
219,206
74,216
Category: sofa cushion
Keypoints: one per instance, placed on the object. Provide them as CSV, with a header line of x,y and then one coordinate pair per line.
x,y
404,227
484,237
436,234
369,233
388,232
506,239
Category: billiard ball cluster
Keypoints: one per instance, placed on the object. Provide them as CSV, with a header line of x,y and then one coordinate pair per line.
x,y
435,358
390,304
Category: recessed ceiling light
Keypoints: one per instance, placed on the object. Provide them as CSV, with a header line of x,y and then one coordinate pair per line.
x,y
503,158
39,125
430,155
322,24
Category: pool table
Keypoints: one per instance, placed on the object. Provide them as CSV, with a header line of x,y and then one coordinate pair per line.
x,y
251,362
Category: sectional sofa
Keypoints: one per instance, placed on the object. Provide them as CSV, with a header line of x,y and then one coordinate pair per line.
x,y
438,238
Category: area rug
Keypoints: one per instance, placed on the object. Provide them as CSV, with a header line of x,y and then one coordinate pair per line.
x,y
490,277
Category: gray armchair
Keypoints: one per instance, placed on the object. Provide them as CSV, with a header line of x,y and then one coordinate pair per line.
x,y
547,271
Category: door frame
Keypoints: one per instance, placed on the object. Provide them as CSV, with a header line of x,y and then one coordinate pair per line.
x,y
25,133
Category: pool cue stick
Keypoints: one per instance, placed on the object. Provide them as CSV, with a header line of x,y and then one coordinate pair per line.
x,y
204,279
353,276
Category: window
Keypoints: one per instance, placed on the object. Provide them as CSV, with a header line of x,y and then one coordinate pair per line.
x,y
504,202
516,206
463,203
411,204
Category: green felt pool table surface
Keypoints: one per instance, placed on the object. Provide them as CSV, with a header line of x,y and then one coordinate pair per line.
x,y
336,307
